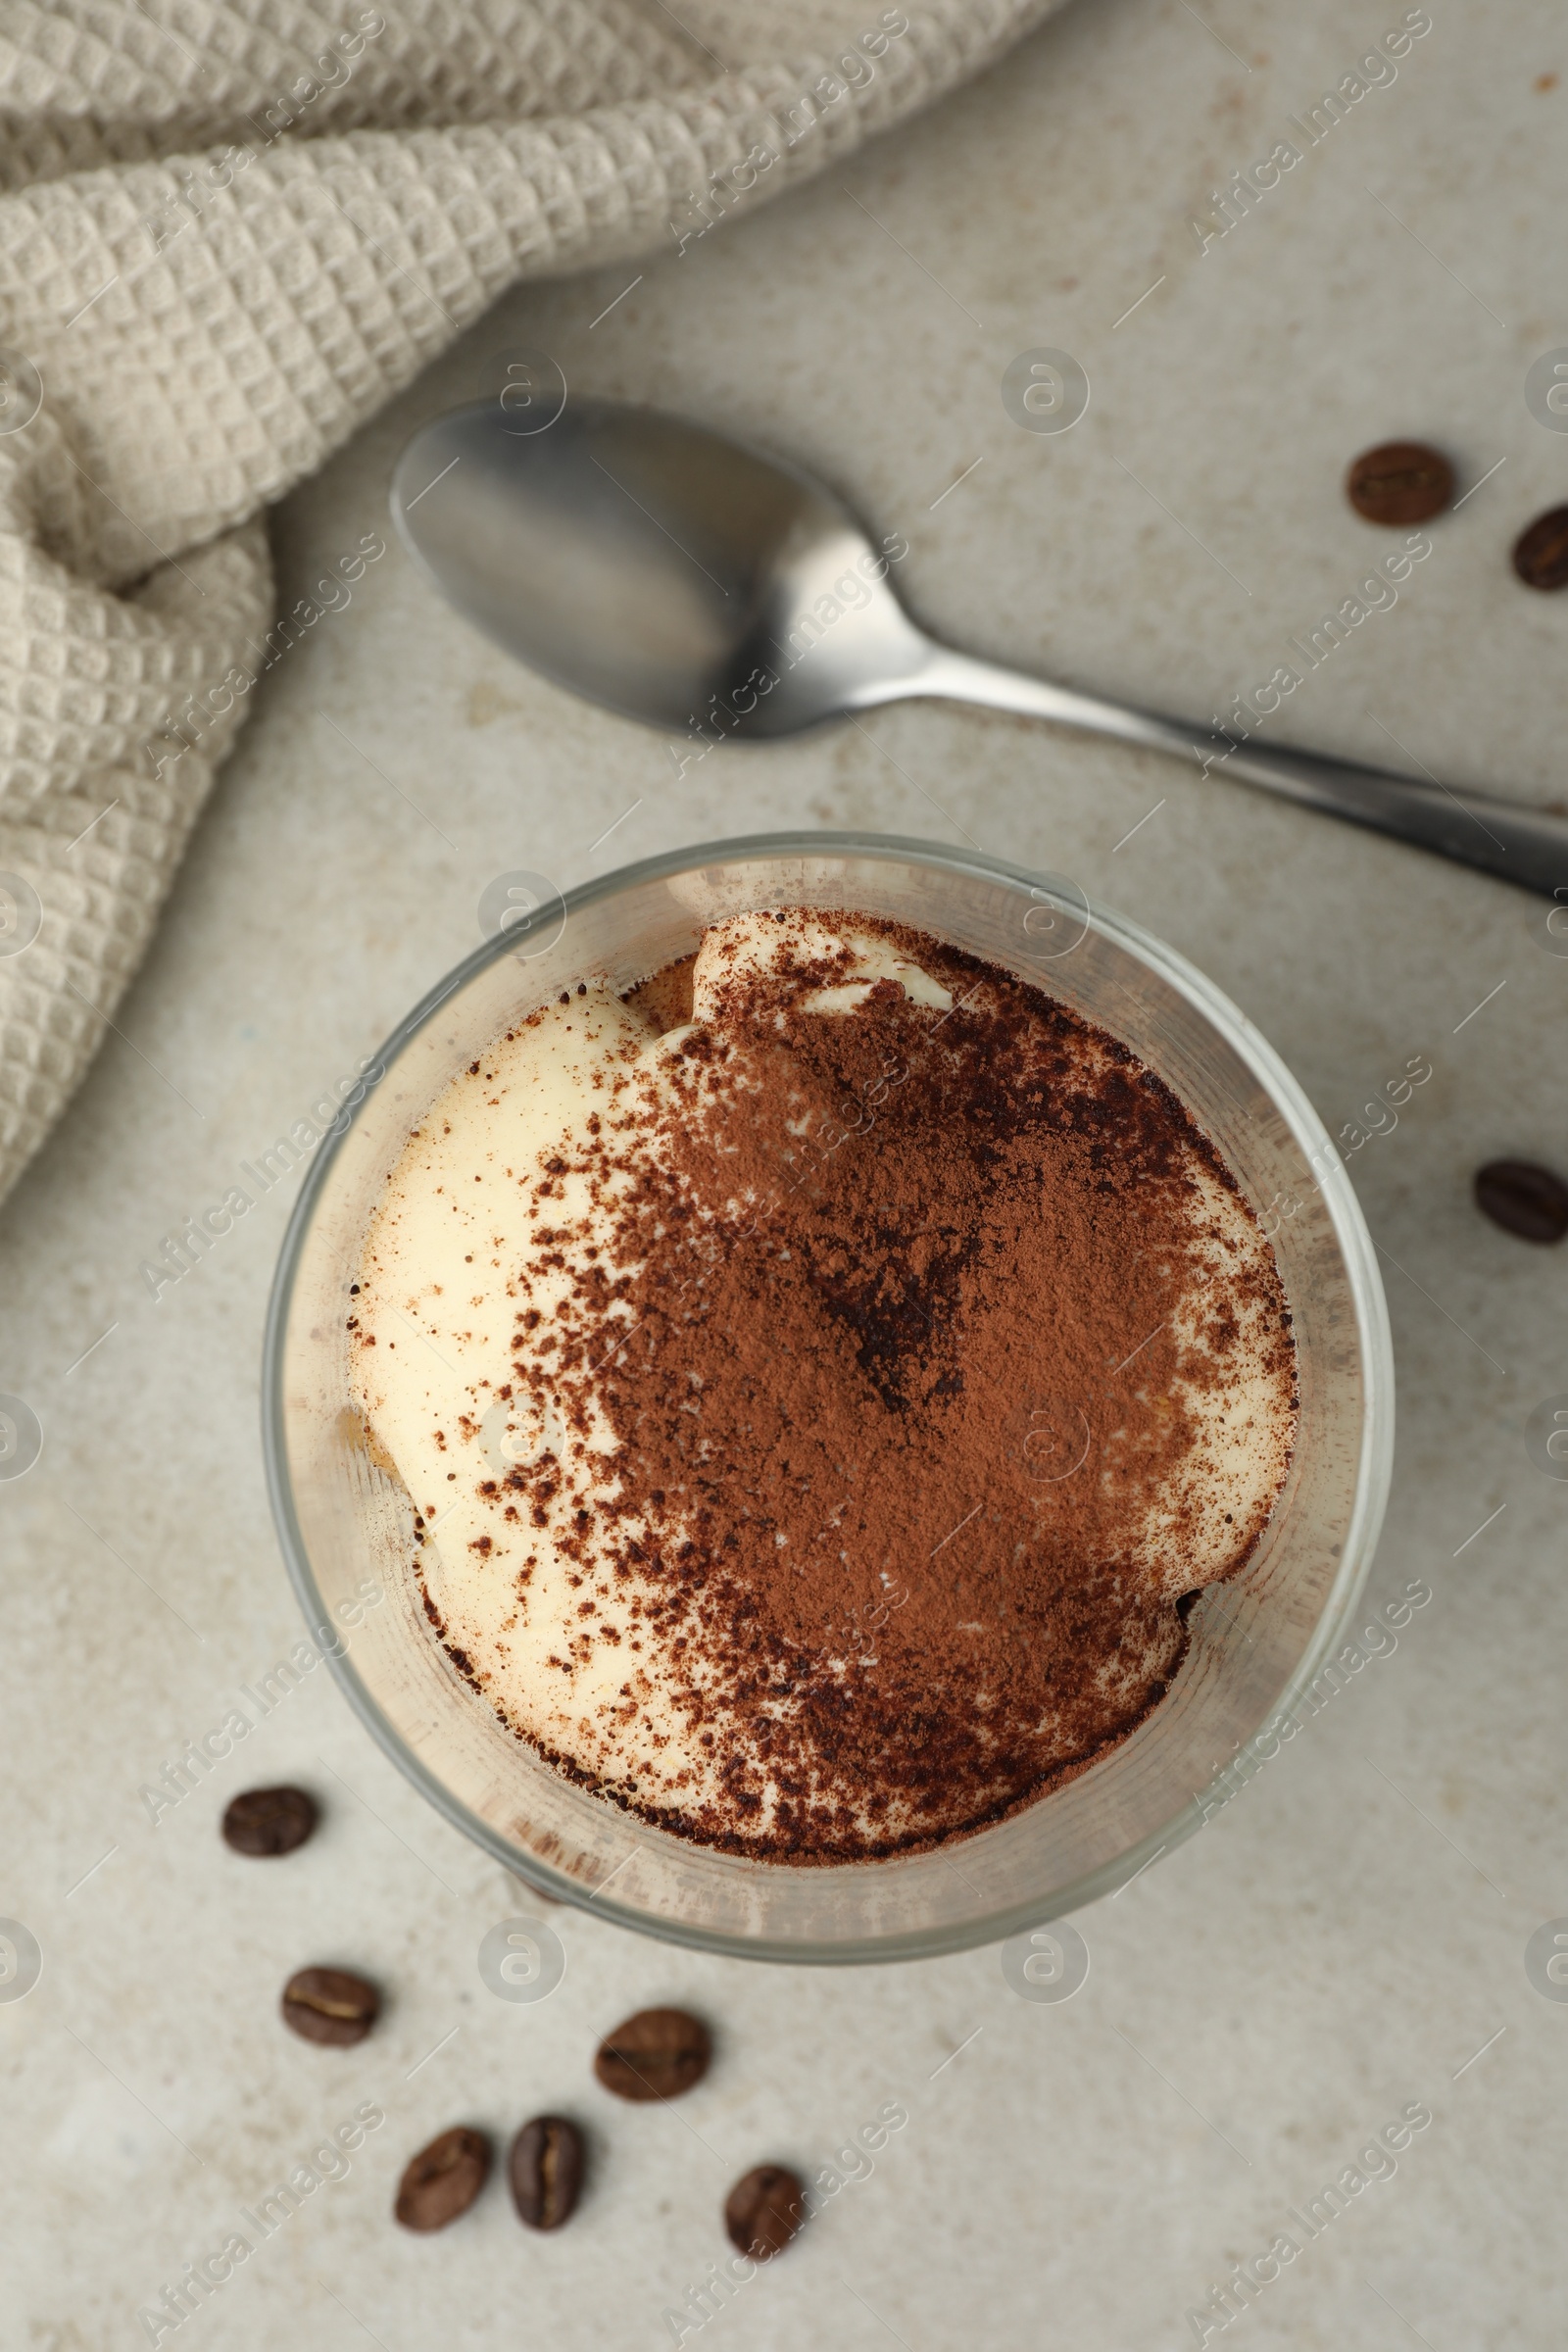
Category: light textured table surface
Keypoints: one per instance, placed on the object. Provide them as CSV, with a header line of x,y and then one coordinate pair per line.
x,y
1345,1936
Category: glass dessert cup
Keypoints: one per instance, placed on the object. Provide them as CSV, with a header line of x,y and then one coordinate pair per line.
x,y
346,1524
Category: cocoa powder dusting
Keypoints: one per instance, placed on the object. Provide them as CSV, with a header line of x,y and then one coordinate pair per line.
x,y
904,1340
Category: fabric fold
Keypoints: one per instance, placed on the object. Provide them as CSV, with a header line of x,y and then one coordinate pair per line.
x,y
229,237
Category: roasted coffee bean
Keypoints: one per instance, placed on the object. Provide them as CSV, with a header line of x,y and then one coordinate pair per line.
x,y
1540,551
443,2179
545,2169
1402,482
763,2211
655,2055
268,1821
328,2005
1523,1198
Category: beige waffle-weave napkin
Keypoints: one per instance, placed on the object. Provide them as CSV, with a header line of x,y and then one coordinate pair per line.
x,y
228,233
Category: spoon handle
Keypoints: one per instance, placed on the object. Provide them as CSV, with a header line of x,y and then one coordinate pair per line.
x,y
1525,846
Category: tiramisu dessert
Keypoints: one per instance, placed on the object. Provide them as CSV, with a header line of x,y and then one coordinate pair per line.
x,y
819,1377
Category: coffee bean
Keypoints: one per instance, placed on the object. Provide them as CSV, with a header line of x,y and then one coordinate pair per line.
x,y
1523,1198
328,2005
268,1821
1540,551
1400,481
763,2211
443,2179
545,2168
655,2055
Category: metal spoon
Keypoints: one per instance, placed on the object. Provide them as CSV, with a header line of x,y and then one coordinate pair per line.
x,y
684,579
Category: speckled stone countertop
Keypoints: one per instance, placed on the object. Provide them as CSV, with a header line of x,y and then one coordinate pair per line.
x,y
1345,1941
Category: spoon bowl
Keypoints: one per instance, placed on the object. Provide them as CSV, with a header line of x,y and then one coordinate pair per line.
x,y
657,568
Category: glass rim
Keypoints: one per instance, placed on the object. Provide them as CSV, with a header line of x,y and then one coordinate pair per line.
x,y
1374,1466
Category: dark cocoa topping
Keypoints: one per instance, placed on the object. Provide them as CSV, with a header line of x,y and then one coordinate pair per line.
x,y
889,1428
